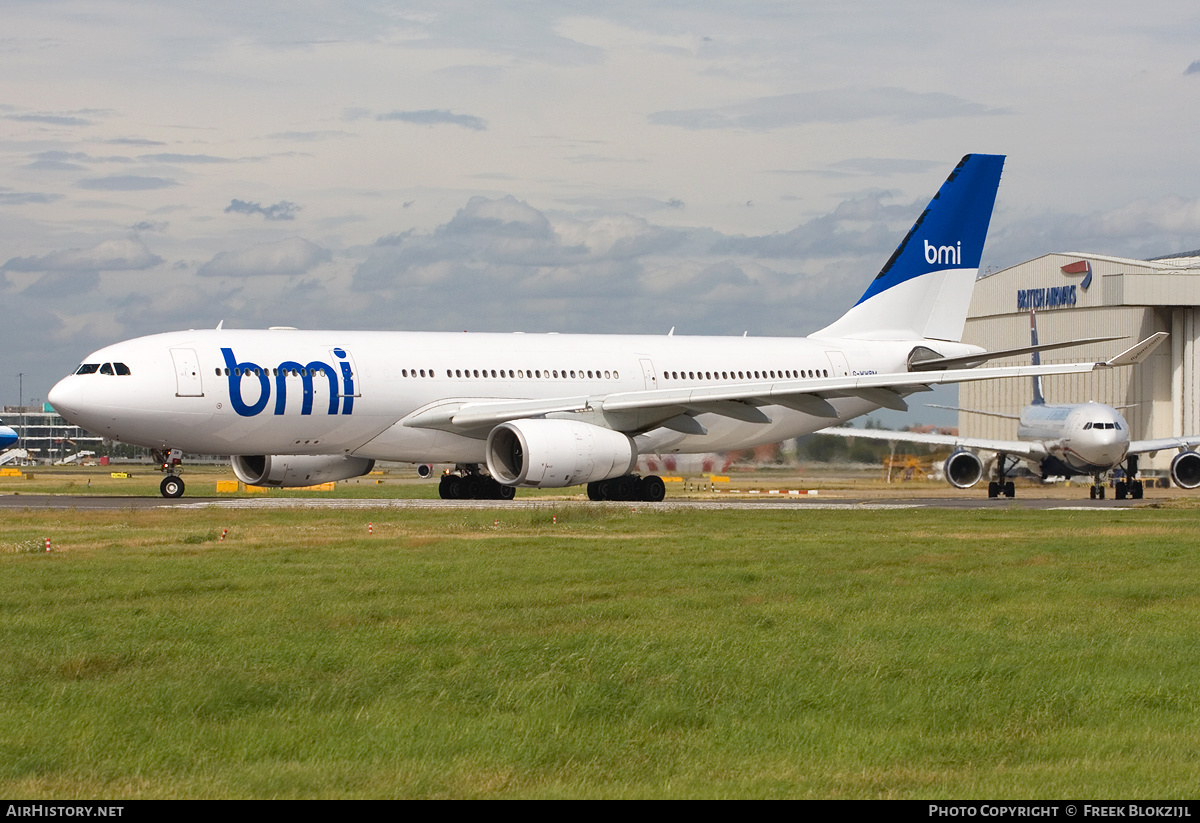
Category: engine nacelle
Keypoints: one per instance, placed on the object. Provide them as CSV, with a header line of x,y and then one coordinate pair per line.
x,y
283,471
1185,469
963,469
557,453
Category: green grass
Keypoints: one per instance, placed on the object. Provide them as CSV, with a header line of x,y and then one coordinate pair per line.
x,y
797,653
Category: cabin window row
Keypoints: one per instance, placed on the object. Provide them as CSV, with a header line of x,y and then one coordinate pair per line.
x,y
524,374
765,374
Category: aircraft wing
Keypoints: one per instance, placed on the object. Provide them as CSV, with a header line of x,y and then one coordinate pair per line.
x,y
1163,444
642,410
1017,448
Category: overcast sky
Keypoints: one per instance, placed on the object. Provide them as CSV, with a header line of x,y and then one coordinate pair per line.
x,y
719,167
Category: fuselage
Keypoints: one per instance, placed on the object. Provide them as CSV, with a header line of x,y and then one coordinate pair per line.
x,y
8,436
1088,438
286,391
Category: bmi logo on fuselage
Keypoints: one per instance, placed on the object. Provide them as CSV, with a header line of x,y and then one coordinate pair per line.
x,y
342,390
943,255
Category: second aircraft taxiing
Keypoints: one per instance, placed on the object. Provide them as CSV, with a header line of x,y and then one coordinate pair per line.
x,y
1057,440
296,408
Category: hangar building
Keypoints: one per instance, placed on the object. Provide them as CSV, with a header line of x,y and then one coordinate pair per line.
x,y
1086,295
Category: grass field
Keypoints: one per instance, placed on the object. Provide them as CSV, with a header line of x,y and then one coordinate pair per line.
x,y
615,653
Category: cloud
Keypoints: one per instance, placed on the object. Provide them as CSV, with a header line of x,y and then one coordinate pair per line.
x,y
69,160
126,254
310,136
57,161
49,119
292,256
134,141
22,198
436,117
56,285
126,182
508,239
874,167
283,210
1141,229
184,158
826,106
871,230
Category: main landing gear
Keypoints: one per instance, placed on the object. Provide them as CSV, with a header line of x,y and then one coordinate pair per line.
x,y
169,461
650,489
1130,488
467,483
1001,485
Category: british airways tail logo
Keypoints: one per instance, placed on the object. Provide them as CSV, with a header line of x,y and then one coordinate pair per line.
x,y
943,255
275,381
1080,267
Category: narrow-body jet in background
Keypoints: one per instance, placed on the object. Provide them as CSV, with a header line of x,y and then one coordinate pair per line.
x,y
1057,440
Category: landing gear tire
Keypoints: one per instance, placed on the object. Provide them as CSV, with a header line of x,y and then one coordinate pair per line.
x,y
653,489
621,488
1122,490
171,486
450,487
1136,489
473,487
1097,492
993,490
627,487
1010,490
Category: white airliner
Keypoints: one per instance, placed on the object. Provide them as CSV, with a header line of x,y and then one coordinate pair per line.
x,y
1057,440
296,408
8,436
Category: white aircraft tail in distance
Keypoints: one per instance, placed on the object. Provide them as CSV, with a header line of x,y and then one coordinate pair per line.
x,y
298,407
1057,440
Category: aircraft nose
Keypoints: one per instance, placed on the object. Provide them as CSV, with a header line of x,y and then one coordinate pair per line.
x,y
66,398
1106,452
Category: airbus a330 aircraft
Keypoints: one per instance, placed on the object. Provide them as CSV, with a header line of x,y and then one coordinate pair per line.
x,y
1057,440
296,408
8,436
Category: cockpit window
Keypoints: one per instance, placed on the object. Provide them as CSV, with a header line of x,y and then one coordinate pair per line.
x,y
119,369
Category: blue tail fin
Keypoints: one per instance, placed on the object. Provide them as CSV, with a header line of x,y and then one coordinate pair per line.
x,y
1038,399
924,289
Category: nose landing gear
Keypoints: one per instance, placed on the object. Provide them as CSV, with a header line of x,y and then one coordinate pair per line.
x,y
169,462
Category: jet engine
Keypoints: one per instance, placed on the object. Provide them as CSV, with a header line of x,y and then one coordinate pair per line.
x,y
963,469
1185,469
557,453
282,471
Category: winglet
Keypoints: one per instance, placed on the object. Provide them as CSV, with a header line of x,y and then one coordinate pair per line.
x,y
1137,353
